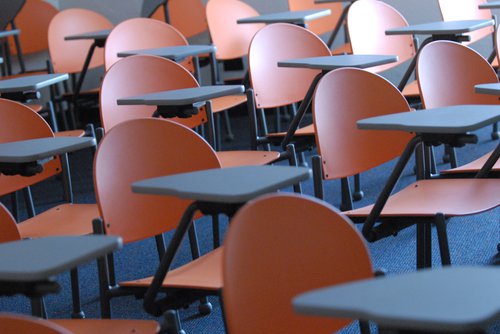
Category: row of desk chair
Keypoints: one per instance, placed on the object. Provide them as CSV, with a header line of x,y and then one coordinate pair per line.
x,y
246,272
318,136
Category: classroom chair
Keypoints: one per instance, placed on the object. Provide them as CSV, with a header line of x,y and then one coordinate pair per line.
x,y
154,74
443,62
347,95
69,56
188,16
270,257
367,22
135,217
143,33
329,24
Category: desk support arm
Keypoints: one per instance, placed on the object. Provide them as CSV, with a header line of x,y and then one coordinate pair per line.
x,y
150,304
302,110
488,165
368,227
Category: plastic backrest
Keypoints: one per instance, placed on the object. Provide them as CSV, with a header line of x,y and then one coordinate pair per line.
x,y
150,74
140,149
18,122
447,73
455,10
69,56
321,25
279,246
277,86
231,39
17,323
8,226
33,20
367,21
343,97
9,11
186,15
141,33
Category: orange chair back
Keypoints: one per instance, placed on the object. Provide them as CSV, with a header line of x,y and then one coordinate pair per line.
x,y
277,86
69,56
271,255
8,227
343,97
447,73
455,10
140,149
231,39
367,22
321,25
186,15
33,20
142,33
150,74
17,323
18,122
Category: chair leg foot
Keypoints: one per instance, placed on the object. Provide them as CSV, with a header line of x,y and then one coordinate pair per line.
x,y
205,307
172,323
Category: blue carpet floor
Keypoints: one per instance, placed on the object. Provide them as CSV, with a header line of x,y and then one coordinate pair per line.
x,y
473,241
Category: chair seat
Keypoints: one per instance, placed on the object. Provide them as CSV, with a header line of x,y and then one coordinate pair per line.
x,y
65,219
108,326
227,102
452,197
247,158
203,273
412,90
307,130
473,166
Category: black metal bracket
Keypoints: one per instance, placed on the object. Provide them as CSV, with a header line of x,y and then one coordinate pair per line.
x,y
183,111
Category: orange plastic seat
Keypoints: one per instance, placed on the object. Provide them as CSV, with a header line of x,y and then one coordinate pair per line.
x,y
367,22
261,278
9,11
134,217
186,15
20,123
17,323
442,62
273,86
33,20
325,24
469,10
345,96
144,33
69,56
154,74
10,323
231,39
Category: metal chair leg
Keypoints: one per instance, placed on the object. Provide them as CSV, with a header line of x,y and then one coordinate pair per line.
x,y
346,203
444,248
75,292
495,134
358,194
